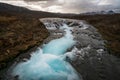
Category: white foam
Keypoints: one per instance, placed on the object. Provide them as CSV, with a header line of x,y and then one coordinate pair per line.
x,y
47,63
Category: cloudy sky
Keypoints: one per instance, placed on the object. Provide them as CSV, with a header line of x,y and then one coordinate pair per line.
x,y
66,6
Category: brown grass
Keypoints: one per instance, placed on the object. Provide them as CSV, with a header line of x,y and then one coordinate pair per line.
x,y
6,19
18,35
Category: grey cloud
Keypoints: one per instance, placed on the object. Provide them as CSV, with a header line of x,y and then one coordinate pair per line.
x,y
45,5
76,6
81,5
35,0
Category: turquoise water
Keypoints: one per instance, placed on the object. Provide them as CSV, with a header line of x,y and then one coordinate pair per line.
x,y
58,46
48,63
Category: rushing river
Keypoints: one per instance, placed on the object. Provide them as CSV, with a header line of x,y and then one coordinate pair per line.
x,y
48,62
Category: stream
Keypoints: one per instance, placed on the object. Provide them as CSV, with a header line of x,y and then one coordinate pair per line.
x,y
49,62
74,50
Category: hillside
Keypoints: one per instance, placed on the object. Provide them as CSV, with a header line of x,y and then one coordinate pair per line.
x,y
18,11
18,35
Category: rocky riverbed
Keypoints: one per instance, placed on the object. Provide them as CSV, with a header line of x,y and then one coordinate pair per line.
x,y
88,56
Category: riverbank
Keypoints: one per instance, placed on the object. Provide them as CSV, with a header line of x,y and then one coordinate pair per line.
x,y
89,56
108,26
17,35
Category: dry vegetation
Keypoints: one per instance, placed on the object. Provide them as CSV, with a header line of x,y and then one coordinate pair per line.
x,y
21,30
18,35
108,26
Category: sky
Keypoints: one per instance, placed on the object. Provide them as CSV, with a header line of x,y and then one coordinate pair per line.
x,y
66,6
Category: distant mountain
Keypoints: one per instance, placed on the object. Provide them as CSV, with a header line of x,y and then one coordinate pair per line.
x,y
116,10
16,10
6,7
102,12
10,9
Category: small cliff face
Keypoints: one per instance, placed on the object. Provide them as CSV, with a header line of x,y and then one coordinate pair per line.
x,y
18,35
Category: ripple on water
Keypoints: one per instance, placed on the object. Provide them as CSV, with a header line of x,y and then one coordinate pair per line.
x,y
47,63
